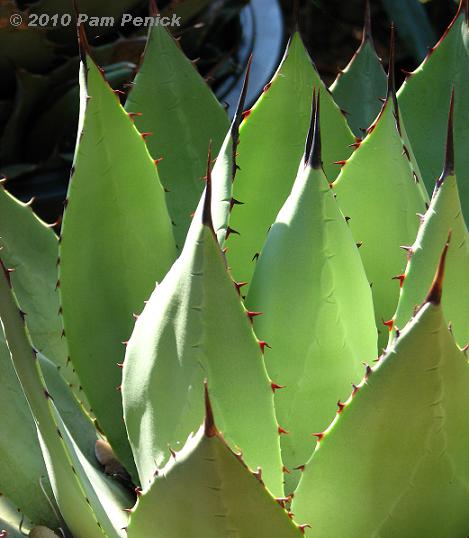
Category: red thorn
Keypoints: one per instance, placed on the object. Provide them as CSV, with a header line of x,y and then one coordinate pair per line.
x,y
319,436
342,163
401,279
128,510
389,324
300,468
119,388
157,161
120,364
282,431
276,387
171,451
286,470
340,406
252,315
258,474
133,115
145,135
246,113
355,145
302,528
263,345
119,92
138,491
125,342
354,389
239,285
282,501
290,514
267,86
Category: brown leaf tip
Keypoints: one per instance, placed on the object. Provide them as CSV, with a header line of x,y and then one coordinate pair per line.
x,y
436,290
448,169
210,428
313,140
207,209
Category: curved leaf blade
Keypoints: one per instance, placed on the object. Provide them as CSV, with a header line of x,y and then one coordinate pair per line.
x,y
271,145
377,190
178,107
318,312
400,442
116,238
216,492
194,327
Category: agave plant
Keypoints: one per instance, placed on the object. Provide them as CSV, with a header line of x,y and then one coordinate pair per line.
x,y
246,304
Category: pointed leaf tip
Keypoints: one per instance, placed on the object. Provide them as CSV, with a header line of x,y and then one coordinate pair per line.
x,y
207,209
449,158
367,35
314,157
83,45
238,117
436,290
153,8
391,92
209,424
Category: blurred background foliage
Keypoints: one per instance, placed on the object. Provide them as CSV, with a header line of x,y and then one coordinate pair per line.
x,y
39,66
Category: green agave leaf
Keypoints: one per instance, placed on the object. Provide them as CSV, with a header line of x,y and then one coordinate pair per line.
x,y
225,169
395,459
116,238
271,145
21,463
359,87
30,247
178,107
11,520
207,490
443,215
377,190
90,503
424,102
318,312
193,327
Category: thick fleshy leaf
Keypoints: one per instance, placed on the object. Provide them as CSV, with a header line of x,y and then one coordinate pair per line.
x,y
443,216
360,86
194,327
377,190
395,459
116,241
178,107
318,311
424,101
21,482
11,520
207,490
30,247
90,503
271,145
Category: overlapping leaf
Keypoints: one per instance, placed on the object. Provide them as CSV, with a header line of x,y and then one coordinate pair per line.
x,y
116,242
424,101
214,491
444,216
395,459
360,86
89,502
30,247
318,312
378,191
194,327
271,145
177,106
